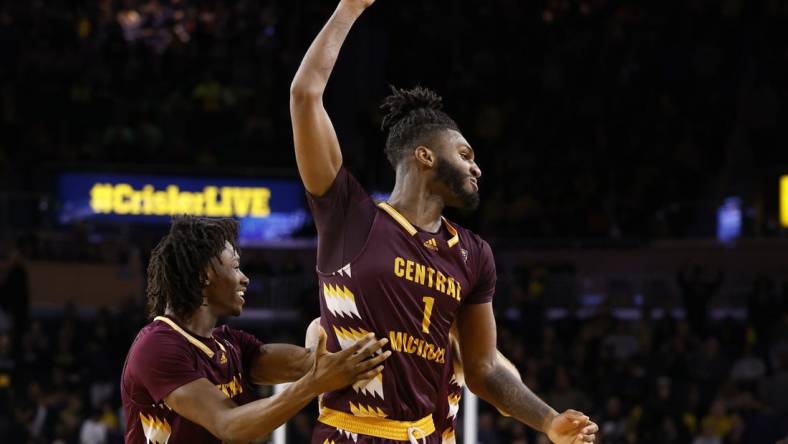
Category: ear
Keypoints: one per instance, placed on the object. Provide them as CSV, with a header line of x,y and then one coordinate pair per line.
x,y
209,275
425,156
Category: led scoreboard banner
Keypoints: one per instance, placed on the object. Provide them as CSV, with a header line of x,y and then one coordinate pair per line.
x,y
268,210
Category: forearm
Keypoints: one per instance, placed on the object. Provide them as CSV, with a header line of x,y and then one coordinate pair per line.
x,y
315,70
259,418
278,363
500,387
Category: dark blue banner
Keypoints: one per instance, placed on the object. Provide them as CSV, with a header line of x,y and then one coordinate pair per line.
x,y
268,210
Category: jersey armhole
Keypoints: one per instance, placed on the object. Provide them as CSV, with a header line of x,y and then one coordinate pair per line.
x,y
360,251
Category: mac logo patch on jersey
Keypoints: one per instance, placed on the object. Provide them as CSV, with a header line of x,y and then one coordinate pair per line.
x,y
464,253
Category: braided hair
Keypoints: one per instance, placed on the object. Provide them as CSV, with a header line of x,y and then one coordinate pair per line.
x,y
177,266
412,117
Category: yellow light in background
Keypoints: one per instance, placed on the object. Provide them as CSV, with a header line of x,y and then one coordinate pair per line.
x,y
784,201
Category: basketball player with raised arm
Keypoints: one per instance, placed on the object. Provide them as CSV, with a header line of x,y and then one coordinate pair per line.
x,y
401,270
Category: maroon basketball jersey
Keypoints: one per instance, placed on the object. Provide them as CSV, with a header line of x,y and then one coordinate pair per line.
x,y
165,356
448,405
386,276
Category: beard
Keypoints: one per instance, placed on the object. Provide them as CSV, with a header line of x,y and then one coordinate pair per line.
x,y
456,180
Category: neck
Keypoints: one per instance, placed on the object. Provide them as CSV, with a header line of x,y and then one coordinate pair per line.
x,y
414,199
201,322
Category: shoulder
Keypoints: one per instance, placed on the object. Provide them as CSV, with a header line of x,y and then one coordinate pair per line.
x,y
236,338
471,241
155,340
344,183
158,333
477,254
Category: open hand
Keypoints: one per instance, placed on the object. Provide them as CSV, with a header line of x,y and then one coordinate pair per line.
x,y
572,427
332,371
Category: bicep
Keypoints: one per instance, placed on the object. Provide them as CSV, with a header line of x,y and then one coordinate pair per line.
x,y
317,150
477,337
202,403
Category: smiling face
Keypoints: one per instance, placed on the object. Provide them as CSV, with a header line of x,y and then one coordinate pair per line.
x,y
227,284
456,172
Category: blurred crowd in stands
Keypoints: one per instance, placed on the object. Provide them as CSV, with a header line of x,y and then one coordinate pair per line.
x,y
591,118
692,378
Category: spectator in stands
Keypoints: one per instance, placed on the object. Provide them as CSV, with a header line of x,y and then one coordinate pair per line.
x,y
717,422
93,429
623,343
697,289
564,394
488,432
7,376
774,389
750,367
661,421
15,291
709,367
613,427
708,436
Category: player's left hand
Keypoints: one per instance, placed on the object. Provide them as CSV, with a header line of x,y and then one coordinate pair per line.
x,y
358,5
572,427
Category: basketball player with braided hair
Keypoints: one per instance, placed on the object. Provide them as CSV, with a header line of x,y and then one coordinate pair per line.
x,y
186,380
399,268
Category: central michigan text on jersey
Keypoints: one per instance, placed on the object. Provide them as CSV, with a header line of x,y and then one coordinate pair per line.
x,y
378,273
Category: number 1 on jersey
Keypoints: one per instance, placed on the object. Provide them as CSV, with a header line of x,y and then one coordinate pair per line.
x,y
425,324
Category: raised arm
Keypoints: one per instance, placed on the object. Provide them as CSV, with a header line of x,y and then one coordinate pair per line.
x,y
202,403
488,376
316,146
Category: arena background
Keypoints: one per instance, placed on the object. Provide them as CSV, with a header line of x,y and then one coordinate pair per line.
x,y
631,154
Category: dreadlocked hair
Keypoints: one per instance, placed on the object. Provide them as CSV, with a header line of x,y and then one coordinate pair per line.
x,y
177,267
412,117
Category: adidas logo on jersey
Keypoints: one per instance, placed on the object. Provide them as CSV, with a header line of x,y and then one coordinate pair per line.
x,y
432,244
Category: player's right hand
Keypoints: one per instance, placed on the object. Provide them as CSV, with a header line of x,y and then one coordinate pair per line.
x,y
571,427
332,371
